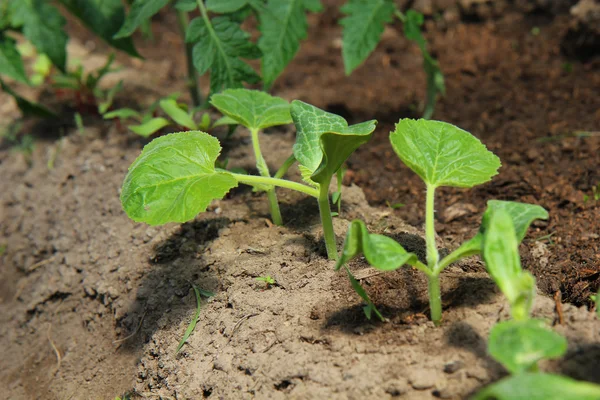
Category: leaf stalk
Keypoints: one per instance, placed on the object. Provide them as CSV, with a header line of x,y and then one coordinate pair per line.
x,y
263,169
326,220
262,180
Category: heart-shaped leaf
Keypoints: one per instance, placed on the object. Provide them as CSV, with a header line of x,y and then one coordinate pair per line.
x,y
174,179
519,345
443,154
324,140
252,108
501,255
533,386
381,252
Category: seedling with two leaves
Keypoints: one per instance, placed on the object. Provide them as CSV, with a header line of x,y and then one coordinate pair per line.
x,y
175,177
522,342
442,155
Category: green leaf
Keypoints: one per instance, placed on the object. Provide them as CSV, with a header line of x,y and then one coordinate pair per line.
x,y
11,63
443,154
519,345
149,127
370,308
43,26
382,253
224,121
186,5
324,141
252,108
501,256
27,107
282,25
313,5
110,95
521,214
170,107
362,29
104,18
122,113
536,386
225,6
141,10
174,179
194,321
412,28
219,46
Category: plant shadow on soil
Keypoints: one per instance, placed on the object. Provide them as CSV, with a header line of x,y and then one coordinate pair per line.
x,y
165,295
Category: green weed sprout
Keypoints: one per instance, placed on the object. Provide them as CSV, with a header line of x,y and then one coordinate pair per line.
x,y
442,155
175,177
519,344
268,280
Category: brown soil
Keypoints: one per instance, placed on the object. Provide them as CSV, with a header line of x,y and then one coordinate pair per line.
x,y
93,305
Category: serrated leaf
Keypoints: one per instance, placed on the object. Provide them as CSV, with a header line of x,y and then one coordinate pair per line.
x,y
170,107
362,29
382,253
252,108
174,179
520,345
521,214
324,141
43,26
104,18
11,63
501,256
282,25
536,386
225,6
443,154
218,48
122,113
141,10
149,127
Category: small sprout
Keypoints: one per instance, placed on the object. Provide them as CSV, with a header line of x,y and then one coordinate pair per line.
x,y
268,280
394,206
198,292
442,155
2,249
567,67
535,31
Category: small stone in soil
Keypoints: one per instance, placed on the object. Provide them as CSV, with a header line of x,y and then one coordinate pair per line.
x,y
396,388
453,366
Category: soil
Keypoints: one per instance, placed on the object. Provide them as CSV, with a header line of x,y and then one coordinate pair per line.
x,y
94,305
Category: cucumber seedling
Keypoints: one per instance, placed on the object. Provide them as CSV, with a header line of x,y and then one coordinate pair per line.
x,y
175,177
522,342
442,155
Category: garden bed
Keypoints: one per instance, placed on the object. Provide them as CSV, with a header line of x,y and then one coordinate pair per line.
x,y
93,304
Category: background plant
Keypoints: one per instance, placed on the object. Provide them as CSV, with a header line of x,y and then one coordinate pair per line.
x,y
522,342
442,155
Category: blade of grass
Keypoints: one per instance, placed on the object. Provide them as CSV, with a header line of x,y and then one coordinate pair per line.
x,y
192,325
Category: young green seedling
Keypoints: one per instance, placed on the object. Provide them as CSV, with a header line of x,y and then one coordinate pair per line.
x,y
442,155
519,344
268,280
256,111
175,177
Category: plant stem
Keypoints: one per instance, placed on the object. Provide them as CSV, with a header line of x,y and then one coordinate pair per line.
x,y
263,169
432,253
285,167
262,180
183,21
435,299
326,220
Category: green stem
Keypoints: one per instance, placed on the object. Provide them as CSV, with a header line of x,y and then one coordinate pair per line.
x,y
400,15
285,167
263,169
432,253
423,268
262,180
326,220
183,22
435,299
